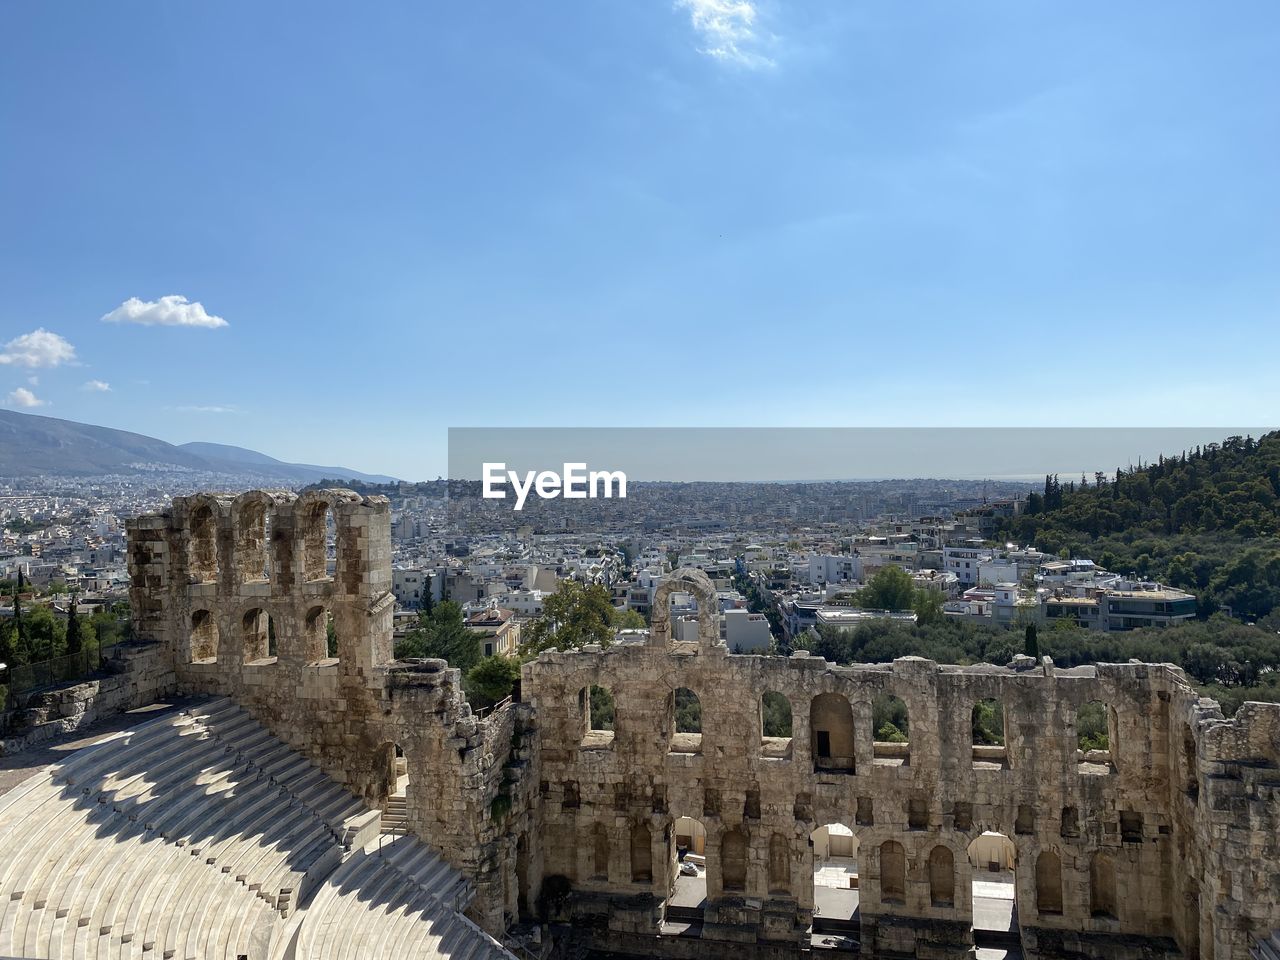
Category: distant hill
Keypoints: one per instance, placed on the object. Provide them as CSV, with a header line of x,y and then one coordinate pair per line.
x,y
31,445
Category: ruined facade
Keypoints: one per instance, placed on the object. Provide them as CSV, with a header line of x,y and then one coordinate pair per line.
x,y
1163,842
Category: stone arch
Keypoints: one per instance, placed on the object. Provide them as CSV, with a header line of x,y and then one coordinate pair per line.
x,y
890,730
257,635
202,539
988,730
685,721
733,860
641,853
251,515
893,872
831,733
779,865
686,580
204,637
775,724
316,635
1048,883
599,852
1102,885
313,512
1096,734
392,770
942,876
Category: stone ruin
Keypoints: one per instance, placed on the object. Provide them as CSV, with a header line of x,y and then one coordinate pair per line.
x,y
1165,843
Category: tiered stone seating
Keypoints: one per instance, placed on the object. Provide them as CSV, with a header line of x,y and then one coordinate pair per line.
x,y
394,898
192,836
1268,949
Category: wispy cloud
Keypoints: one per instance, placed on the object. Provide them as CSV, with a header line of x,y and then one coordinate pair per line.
x,y
96,386
22,397
171,311
210,408
728,30
39,348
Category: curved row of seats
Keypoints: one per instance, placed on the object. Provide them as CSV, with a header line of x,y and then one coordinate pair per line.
x,y
393,899
192,836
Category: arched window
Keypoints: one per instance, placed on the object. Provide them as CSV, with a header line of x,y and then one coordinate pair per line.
x,y
686,721
1095,734
204,637
1048,883
315,541
202,553
775,725
251,523
320,636
990,750
779,864
893,872
599,852
641,853
599,719
733,859
1102,886
890,724
942,877
831,733
257,635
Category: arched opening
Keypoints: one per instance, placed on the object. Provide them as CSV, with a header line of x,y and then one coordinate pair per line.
x,y
1095,736
990,750
893,872
599,716
1048,883
316,522
393,777
641,853
775,725
688,897
599,852
252,523
733,860
319,635
835,876
891,744
204,637
1102,886
993,860
686,721
1190,770
257,636
202,546
831,734
942,877
779,865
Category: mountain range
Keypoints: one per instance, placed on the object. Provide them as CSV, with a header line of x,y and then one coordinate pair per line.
x,y
32,445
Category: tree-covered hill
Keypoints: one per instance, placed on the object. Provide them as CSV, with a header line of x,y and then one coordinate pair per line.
x,y
1207,520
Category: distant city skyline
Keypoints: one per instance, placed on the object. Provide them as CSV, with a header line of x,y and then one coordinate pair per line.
x,y
223,224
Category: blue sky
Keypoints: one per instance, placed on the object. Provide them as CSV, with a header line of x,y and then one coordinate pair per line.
x,y
712,212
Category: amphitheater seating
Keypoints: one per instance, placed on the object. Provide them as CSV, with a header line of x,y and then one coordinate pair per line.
x,y
199,835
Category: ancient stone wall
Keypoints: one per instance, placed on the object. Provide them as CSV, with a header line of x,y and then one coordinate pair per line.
x,y
1169,833
240,592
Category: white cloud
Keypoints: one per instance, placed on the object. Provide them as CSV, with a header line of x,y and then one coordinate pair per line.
x,y
96,386
171,311
728,30
22,397
39,348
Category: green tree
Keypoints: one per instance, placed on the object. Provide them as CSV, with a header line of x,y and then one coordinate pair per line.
x,y
890,588
491,680
442,634
1031,642
575,615
928,607
775,714
602,708
75,639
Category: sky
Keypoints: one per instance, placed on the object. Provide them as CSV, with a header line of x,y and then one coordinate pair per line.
x,y
330,232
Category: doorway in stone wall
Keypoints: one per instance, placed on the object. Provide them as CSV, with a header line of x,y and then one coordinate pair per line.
x,y
688,897
993,859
